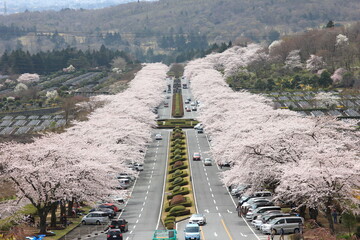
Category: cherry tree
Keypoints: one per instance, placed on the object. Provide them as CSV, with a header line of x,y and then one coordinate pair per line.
x,y
337,77
28,78
315,63
81,162
267,145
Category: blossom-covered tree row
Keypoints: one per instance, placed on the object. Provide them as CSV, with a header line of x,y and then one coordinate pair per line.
x,y
310,161
81,163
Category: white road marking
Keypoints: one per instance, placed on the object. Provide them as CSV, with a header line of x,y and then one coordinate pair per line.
x,y
217,209
131,232
229,211
210,189
145,198
206,210
208,183
219,214
142,209
144,203
215,234
147,192
134,227
212,195
140,215
137,221
149,181
214,201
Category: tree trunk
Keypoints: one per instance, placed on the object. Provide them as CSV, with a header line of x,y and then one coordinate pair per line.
x,y
62,208
42,212
329,218
53,214
70,207
302,211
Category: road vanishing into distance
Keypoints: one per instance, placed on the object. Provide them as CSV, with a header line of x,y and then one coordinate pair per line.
x,y
143,208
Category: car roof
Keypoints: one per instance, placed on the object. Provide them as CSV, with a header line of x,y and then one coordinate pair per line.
x,y
197,215
98,212
192,225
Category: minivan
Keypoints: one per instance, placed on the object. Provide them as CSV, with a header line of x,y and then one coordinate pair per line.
x,y
95,218
288,224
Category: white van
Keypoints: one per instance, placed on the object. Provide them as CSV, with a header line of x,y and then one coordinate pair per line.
x,y
95,218
288,224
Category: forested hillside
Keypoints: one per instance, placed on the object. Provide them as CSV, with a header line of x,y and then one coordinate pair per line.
x,y
165,26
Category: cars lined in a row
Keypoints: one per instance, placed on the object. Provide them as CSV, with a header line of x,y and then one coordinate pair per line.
x,y
264,214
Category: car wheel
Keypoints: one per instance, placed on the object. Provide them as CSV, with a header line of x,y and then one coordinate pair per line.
x,y
97,222
83,222
296,230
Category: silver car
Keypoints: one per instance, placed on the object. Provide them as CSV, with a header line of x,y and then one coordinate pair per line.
x,y
98,218
288,224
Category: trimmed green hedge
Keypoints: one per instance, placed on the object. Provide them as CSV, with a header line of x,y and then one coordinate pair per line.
x,y
181,183
174,176
180,213
185,166
187,203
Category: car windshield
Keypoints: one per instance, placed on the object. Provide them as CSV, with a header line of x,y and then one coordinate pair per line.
x,y
197,216
192,229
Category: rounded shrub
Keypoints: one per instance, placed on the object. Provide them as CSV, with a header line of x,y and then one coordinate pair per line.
x,y
178,180
177,199
177,152
170,226
170,218
177,208
178,164
177,173
177,157
176,189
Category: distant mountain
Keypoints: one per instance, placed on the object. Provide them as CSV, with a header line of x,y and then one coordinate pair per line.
x,y
41,5
160,27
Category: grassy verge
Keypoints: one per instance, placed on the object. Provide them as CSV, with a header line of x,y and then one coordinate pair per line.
x,y
178,140
177,107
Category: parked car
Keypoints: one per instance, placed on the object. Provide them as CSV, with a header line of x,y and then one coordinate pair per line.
x,y
138,167
166,104
158,136
193,104
192,231
124,183
240,189
110,212
266,217
95,218
200,130
254,200
187,101
197,156
199,125
194,108
225,164
261,194
109,205
198,219
188,109
254,206
259,210
127,175
207,162
288,224
121,224
114,234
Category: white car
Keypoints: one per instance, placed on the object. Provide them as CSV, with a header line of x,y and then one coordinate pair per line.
x,y
158,136
197,126
207,162
198,218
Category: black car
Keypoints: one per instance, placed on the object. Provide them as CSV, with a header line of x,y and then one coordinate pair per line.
x,y
121,224
114,234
